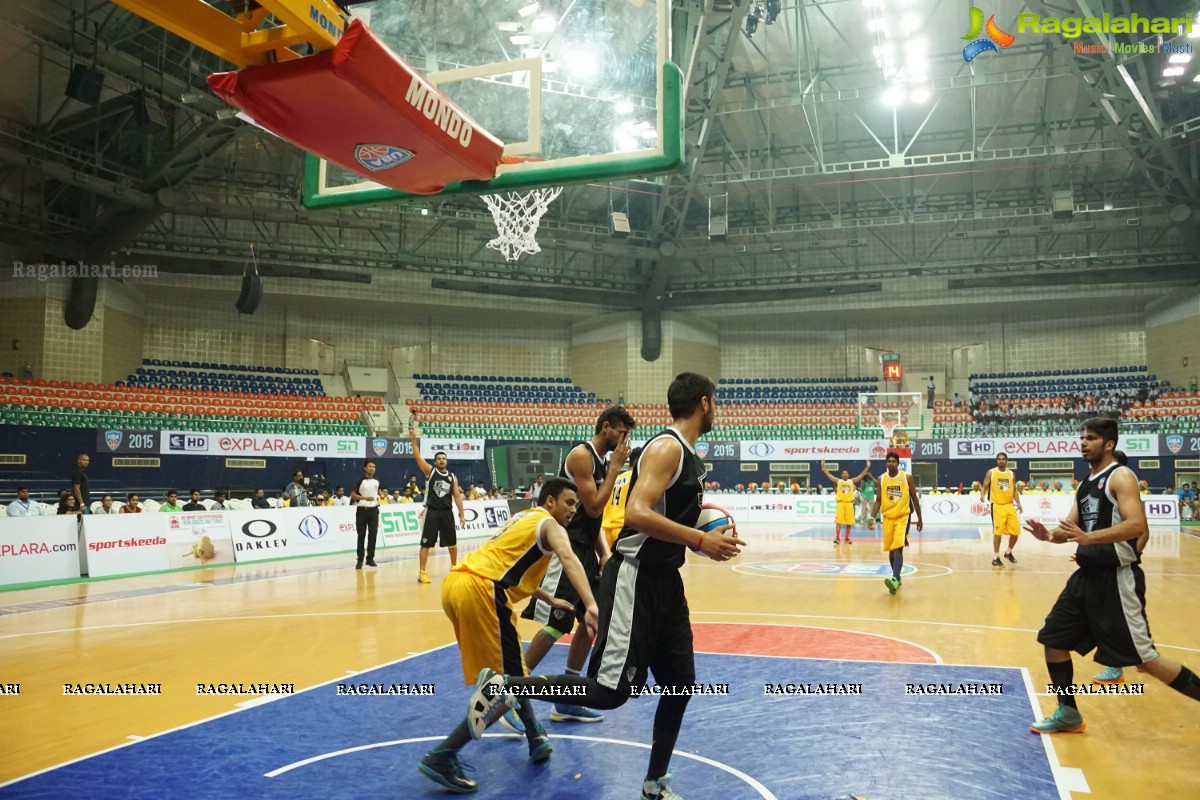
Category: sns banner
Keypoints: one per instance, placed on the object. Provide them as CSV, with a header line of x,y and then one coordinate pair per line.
x,y
400,523
259,445
814,450
1134,445
38,549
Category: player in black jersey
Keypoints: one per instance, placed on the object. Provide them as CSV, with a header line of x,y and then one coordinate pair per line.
x,y
1103,606
585,467
644,621
440,488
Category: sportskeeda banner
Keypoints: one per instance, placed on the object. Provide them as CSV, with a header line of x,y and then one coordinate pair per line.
x,y
814,450
1134,445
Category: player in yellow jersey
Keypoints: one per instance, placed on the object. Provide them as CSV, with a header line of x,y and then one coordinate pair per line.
x,y
1001,490
897,499
844,518
478,596
614,511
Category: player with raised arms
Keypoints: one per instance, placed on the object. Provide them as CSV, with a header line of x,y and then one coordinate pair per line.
x,y
440,487
644,616
844,518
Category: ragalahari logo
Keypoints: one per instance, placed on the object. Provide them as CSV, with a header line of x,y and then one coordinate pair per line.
x,y
995,36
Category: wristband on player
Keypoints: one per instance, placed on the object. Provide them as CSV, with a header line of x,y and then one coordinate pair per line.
x,y
700,544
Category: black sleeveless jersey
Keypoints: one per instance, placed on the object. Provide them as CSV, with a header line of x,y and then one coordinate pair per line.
x,y
1098,510
439,490
679,503
583,529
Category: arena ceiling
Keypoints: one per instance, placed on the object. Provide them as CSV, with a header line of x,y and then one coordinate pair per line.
x,y
847,160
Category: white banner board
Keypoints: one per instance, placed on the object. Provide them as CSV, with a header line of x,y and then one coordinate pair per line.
x,y
38,549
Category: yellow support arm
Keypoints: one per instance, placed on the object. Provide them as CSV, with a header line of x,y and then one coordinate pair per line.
x,y
240,40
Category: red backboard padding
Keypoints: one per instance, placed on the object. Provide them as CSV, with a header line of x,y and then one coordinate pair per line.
x,y
360,106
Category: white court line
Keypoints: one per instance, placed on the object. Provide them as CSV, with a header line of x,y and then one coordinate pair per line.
x,y
763,791
1067,779
936,658
273,698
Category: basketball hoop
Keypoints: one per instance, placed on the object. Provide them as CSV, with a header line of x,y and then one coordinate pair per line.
x,y
889,419
517,216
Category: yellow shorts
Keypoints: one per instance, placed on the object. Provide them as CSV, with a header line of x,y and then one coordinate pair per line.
x,y
1004,520
845,514
485,625
895,532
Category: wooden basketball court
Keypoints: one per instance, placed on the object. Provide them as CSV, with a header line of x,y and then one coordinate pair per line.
x,y
792,596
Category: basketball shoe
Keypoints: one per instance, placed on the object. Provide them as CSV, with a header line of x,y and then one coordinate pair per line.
x,y
658,790
1010,557
996,562
539,745
422,577
1064,720
1110,675
891,583
511,721
444,769
566,713
486,700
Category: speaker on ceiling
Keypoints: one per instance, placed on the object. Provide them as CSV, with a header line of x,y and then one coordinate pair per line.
x,y
251,295
85,84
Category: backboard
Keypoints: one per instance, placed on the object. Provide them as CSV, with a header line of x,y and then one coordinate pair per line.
x,y
580,91
901,409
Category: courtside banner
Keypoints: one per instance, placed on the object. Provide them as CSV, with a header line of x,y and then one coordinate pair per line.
x,y
196,537
814,450
260,445
261,534
400,523
944,509
1134,445
38,548
455,449
122,544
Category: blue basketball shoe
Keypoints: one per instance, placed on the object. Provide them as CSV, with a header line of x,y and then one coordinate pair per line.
x,y
566,713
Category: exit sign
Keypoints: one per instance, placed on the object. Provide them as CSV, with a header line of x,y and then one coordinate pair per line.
x,y
893,371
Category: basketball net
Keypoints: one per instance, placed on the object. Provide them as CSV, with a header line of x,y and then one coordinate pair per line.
x,y
517,216
889,419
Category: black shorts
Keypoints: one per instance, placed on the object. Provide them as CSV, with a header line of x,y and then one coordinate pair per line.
x,y
1105,610
439,528
644,625
560,587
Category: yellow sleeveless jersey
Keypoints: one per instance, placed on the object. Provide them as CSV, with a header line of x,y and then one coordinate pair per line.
x,y
1001,488
894,501
614,510
513,558
845,491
